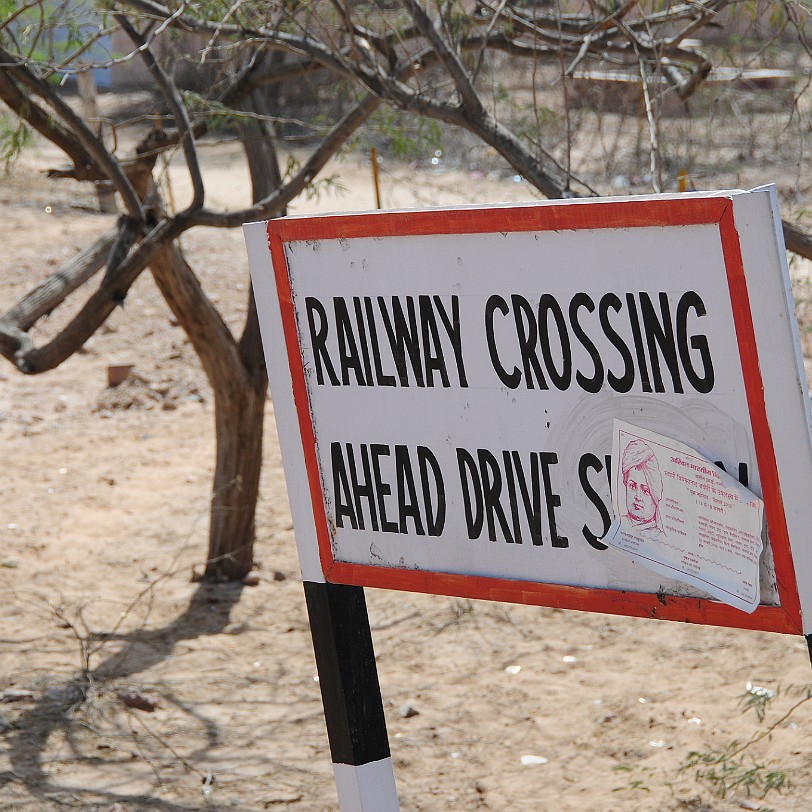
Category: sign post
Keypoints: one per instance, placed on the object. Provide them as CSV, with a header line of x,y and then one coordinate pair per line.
x,y
353,707
447,385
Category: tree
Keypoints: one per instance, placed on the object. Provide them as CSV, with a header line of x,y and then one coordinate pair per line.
x,y
438,61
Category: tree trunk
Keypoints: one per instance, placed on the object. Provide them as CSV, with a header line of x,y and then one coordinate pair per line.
x,y
239,412
797,240
239,416
239,398
86,84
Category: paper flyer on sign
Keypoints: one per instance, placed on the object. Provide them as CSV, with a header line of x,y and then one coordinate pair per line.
x,y
681,516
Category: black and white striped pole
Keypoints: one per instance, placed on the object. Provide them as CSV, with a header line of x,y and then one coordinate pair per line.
x,y
351,695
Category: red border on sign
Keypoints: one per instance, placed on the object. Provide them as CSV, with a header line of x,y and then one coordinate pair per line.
x,y
579,215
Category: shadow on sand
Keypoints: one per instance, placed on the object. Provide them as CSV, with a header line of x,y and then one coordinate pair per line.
x,y
208,613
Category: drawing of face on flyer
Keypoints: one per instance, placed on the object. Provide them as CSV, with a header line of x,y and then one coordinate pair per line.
x,y
680,516
643,484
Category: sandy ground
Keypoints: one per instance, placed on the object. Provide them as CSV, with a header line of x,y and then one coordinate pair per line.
x,y
104,522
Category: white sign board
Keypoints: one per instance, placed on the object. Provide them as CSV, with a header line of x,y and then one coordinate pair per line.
x,y
445,385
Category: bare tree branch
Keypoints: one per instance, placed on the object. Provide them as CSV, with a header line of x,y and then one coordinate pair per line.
x,y
15,14
175,101
456,70
54,289
83,134
85,166
797,240
280,197
15,342
110,294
